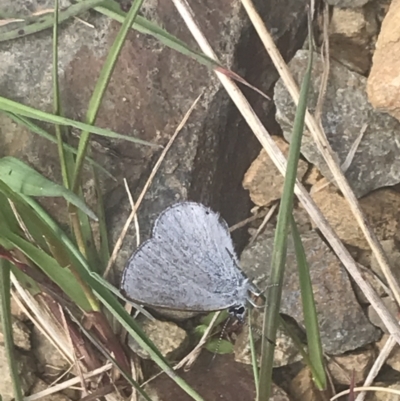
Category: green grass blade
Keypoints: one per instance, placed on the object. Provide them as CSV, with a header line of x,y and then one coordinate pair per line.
x,y
6,324
57,103
39,23
60,276
316,356
113,10
101,85
280,244
254,362
25,180
10,106
44,134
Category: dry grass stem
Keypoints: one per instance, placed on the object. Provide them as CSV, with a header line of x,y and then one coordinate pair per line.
x,y
371,388
377,366
190,358
118,244
280,161
77,364
45,322
68,383
244,222
267,218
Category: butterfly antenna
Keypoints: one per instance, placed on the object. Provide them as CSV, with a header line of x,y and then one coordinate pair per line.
x,y
219,341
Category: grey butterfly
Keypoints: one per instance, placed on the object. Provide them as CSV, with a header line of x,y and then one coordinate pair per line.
x,y
189,264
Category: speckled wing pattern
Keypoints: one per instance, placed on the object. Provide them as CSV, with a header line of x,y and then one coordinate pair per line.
x,y
188,264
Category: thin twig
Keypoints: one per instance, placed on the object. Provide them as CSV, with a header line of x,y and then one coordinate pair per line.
x,y
371,388
118,244
267,218
246,221
280,161
377,366
326,64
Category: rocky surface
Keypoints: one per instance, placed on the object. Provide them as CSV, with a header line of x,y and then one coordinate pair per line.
x,y
352,366
383,81
21,335
381,208
346,113
302,387
26,368
347,3
343,324
169,338
352,35
263,180
286,351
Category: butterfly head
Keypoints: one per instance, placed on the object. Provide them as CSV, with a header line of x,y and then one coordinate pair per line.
x,y
238,311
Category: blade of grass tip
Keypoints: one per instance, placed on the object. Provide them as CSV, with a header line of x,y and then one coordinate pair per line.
x,y
39,131
280,243
10,106
113,10
316,356
7,328
56,100
254,362
101,86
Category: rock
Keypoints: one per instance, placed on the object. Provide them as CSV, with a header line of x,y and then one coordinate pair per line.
x,y
351,34
384,79
40,385
382,210
17,312
26,368
168,337
312,177
343,367
224,380
302,387
343,324
48,356
376,320
21,335
336,210
343,123
263,180
393,254
286,351
347,3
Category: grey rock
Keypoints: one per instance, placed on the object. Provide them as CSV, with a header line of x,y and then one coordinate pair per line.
x,y
168,337
346,111
347,3
47,355
286,351
391,305
26,369
342,322
21,335
40,385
